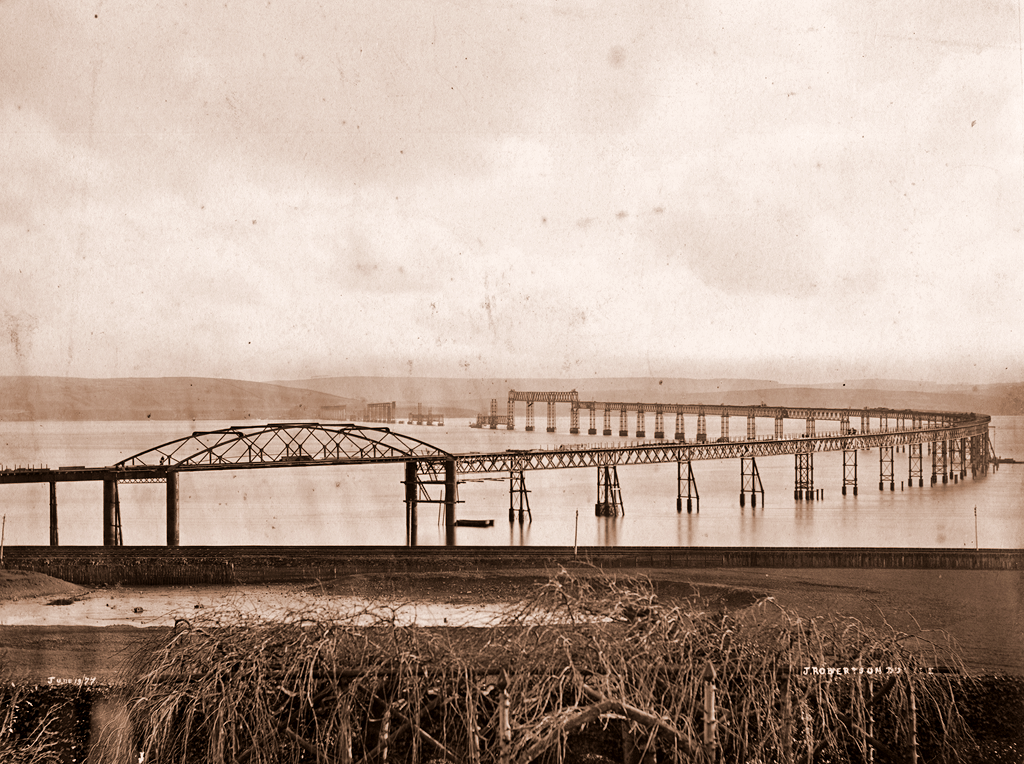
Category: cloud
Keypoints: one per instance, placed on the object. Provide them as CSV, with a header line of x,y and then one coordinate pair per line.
x,y
499,187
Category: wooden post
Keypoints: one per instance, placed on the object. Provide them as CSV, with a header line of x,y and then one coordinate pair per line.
x,y
411,491
710,724
871,720
504,729
385,732
450,488
109,515
173,530
53,513
913,722
345,736
630,753
473,739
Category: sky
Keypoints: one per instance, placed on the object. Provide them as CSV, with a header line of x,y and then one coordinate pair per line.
x,y
799,191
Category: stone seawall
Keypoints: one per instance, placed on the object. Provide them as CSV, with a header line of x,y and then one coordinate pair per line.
x,y
93,566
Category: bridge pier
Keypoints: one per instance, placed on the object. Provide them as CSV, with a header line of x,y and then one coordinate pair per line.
x,y
804,476
451,487
885,470
173,531
702,428
111,514
779,422
809,431
609,496
751,427
659,424
529,416
551,417
725,428
574,419
691,488
607,421
750,481
915,466
623,423
850,470
518,496
641,424
592,430
680,427
411,496
53,513
945,462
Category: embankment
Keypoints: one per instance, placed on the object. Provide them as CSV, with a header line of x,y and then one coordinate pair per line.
x,y
92,566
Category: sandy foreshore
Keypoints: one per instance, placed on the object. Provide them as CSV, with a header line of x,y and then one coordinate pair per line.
x,y
73,633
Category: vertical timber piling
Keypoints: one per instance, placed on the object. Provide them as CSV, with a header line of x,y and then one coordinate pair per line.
x,y
411,495
110,524
53,513
173,530
450,489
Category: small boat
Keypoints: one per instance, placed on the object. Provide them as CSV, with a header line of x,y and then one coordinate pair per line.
x,y
474,523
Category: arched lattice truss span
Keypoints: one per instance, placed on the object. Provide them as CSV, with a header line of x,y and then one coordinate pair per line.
x,y
285,445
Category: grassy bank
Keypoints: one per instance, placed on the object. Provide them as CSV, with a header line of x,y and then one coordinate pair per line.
x,y
587,670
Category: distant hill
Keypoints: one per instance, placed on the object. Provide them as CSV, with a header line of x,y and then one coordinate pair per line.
x,y
70,398
469,397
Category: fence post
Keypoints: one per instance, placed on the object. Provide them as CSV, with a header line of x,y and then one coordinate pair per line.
x,y
871,721
913,722
385,733
473,742
345,736
504,729
710,725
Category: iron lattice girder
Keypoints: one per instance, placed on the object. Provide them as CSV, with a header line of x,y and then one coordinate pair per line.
x,y
556,397
568,457
767,412
283,445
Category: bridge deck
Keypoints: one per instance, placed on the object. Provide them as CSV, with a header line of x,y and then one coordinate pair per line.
x,y
311,444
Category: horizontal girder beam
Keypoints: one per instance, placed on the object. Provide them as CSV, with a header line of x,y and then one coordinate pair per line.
x,y
307,445
769,412
568,457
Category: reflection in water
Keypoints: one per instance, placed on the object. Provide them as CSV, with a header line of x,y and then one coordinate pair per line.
x,y
749,524
607,531
686,529
365,504
804,516
519,533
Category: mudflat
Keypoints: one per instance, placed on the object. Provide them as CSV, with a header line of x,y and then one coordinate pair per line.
x,y
70,633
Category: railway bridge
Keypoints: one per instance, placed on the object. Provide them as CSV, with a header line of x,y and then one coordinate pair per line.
x,y
956,442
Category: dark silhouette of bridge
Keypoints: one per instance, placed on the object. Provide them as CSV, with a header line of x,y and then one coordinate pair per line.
x,y
957,443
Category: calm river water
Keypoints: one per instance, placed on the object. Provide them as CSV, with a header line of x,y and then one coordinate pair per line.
x,y
363,505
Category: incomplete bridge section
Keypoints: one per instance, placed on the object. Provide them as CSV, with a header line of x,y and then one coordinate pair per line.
x,y
959,440
956,443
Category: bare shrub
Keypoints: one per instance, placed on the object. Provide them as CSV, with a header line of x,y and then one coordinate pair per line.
x,y
583,653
